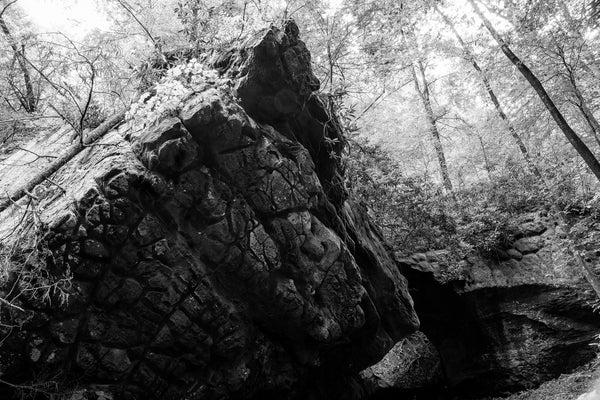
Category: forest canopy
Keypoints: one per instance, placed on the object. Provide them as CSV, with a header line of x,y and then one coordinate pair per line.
x,y
452,109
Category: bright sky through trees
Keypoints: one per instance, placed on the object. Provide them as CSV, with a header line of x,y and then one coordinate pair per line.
x,y
358,52
75,17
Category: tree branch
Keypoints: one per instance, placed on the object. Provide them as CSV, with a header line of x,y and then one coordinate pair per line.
x,y
75,149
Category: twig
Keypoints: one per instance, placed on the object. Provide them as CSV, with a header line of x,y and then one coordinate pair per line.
x,y
31,195
368,107
8,303
34,153
6,7
122,3
56,184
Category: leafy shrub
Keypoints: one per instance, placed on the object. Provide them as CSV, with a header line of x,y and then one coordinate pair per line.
x,y
26,257
94,116
486,231
416,216
169,94
410,211
486,212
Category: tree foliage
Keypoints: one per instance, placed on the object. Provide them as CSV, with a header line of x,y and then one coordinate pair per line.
x,y
501,149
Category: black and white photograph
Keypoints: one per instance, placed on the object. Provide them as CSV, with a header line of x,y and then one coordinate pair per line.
x,y
299,199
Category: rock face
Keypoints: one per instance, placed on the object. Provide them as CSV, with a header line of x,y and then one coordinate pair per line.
x,y
510,323
213,256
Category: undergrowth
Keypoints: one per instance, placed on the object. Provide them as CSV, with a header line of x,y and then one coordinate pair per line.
x,y
415,216
26,262
27,278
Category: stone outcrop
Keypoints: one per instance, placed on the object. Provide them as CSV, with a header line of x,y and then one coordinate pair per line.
x,y
413,365
510,323
215,255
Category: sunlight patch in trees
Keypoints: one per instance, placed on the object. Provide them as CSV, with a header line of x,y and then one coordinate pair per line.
x,y
75,17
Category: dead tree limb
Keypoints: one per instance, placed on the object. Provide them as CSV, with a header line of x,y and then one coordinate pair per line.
x,y
75,149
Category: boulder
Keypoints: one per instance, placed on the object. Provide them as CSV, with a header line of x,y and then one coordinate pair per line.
x,y
413,363
529,244
215,255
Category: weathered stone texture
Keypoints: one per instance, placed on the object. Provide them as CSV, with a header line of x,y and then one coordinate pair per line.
x,y
413,363
214,255
512,322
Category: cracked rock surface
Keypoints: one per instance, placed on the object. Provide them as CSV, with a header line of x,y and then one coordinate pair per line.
x,y
215,255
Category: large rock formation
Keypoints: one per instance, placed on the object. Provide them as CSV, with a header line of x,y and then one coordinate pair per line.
x,y
215,255
510,323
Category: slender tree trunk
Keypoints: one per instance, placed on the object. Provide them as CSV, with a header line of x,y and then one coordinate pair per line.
x,y
587,114
581,103
588,271
331,65
27,99
435,134
488,167
591,120
535,83
488,87
157,45
194,31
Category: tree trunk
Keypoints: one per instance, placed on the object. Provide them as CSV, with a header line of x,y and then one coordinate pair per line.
x,y
588,271
435,134
535,83
587,114
590,119
488,167
27,99
194,31
157,45
581,104
493,97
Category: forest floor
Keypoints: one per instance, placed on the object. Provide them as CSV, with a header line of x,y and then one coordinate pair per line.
x,y
566,387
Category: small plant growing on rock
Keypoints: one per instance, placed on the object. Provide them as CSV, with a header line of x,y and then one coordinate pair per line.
x,y
168,96
486,232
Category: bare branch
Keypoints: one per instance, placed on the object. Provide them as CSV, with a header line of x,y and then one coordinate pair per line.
x,y
125,6
6,7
